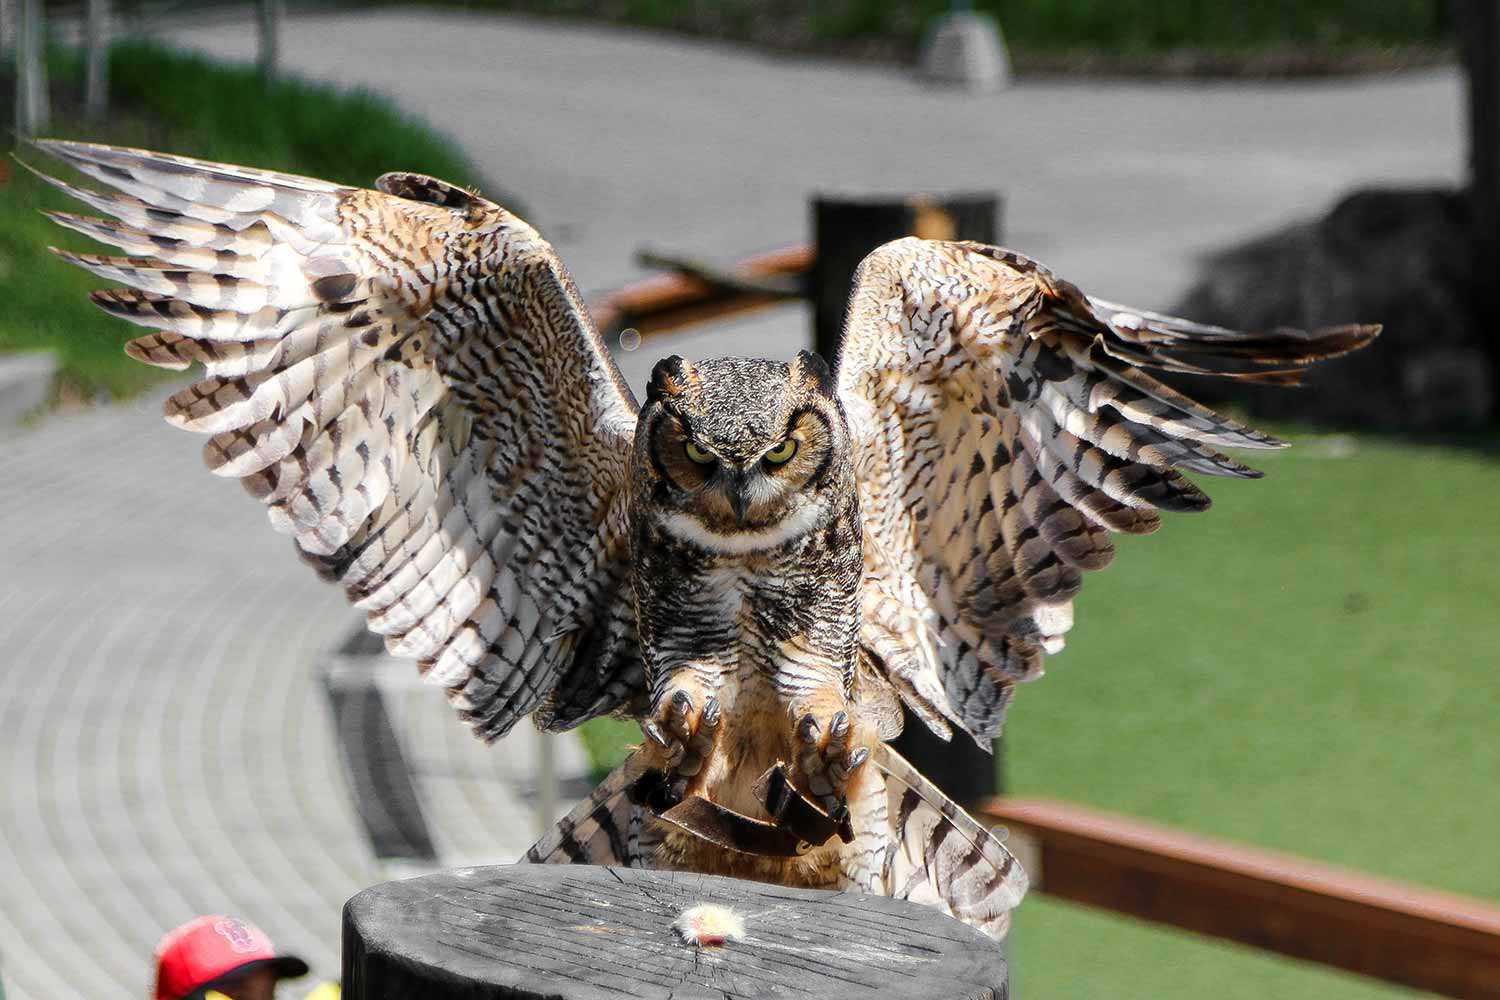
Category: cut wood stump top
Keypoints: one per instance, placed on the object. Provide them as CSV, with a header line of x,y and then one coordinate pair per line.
x,y
578,932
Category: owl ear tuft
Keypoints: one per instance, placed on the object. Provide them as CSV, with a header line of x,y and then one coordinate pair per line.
x,y
668,379
816,372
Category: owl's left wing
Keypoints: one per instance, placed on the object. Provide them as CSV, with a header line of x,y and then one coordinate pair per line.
x,y
1004,425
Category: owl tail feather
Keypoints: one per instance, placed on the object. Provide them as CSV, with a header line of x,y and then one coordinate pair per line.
x,y
941,856
607,828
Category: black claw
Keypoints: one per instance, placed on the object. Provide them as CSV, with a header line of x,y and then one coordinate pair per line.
x,y
682,702
858,757
839,727
808,729
843,822
652,730
710,716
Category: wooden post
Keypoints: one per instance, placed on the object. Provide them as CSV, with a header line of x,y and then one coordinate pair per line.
x,y
1478,24
578,932
846,229
268,33
96,71
33,110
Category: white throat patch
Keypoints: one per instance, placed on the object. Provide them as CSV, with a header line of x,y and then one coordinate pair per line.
x,y
690,529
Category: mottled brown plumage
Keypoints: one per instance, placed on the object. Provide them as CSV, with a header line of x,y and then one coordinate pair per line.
x,y
762,563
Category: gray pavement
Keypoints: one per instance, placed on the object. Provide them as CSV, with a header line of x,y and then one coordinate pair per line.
x,y
165,742
164,739
614,139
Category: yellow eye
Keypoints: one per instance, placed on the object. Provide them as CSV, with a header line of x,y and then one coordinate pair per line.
x,y
783,452
697,454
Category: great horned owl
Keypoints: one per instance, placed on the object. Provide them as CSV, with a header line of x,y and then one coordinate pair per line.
x,y
745,546
763,564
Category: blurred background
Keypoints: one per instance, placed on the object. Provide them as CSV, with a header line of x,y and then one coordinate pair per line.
x,y
190,722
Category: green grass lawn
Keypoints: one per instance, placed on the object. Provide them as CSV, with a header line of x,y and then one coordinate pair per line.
x,y
1311,666
1033,26
183,104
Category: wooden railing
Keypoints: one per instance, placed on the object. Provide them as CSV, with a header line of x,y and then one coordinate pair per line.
x,y
684,297
1388,930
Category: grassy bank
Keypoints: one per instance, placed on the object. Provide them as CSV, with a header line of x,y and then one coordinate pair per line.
x,y
1038,31
186,104
1309,666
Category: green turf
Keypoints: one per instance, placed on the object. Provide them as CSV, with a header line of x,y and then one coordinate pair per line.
x,y
1064,952
183,104
1311,666
607,742
1111,26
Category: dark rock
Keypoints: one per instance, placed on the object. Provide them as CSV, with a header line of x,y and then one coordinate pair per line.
x,y
1401,258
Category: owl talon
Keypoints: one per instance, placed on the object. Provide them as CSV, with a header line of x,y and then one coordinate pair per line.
x,y
839,728
826,757
679,716
653,731
711,714
687,733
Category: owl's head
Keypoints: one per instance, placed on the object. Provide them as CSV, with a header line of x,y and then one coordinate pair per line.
x,y
744,447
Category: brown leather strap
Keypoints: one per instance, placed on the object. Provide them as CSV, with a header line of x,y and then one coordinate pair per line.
x,y
796,826
729,829
792,810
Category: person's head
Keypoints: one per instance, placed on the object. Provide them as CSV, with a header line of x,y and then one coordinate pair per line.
x,y
222,954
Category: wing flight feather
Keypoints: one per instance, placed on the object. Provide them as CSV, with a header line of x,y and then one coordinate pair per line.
x,y
409,381
1005,424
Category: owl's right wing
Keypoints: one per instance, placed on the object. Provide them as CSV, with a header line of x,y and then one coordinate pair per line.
x,y
1005,424
409,381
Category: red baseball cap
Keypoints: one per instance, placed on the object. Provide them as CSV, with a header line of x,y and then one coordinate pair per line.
x,y
207,949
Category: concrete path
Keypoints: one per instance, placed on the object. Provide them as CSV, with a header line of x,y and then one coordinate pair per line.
x,y
165,746
164,739
615,139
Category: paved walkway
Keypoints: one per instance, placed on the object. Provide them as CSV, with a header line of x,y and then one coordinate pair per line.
x,y
164,738
165,743
616,139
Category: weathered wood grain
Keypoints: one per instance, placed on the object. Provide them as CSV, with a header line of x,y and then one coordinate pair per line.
x,y
576,932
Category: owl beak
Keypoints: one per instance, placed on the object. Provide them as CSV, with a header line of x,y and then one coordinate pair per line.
x,y
738,491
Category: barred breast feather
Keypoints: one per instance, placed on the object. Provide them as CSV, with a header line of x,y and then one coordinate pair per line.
x,y
1005,425
407,379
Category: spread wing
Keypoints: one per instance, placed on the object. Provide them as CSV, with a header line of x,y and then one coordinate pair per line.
x,y
1004,426
409,381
